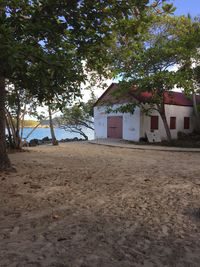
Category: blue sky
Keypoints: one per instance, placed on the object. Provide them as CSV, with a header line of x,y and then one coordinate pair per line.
x,y
187,6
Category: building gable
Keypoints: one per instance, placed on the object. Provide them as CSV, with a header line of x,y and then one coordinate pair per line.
x,y
109,97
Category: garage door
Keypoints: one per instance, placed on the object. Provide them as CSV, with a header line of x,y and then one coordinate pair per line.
x,y
114,127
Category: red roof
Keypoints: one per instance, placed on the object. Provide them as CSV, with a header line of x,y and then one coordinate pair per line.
x,y
170,98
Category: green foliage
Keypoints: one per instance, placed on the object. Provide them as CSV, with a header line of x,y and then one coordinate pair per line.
x,y
149,61
167,42
26,123
127,108
30,123
80,113
78,117
168,8
46,46
44,43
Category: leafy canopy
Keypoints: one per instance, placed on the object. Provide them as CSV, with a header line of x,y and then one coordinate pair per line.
x,y
44,43
152,64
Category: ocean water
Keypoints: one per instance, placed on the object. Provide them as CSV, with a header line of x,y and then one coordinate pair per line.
x,y
40,133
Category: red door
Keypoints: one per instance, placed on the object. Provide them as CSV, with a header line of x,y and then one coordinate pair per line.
x,y
114,127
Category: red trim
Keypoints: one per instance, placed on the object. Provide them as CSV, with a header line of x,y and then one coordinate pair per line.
x,y
171,98
154,122
172,123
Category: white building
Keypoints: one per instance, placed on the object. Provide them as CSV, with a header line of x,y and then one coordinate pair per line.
x,y
127,126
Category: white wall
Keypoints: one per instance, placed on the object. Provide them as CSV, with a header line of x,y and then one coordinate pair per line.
x,y
100,122
131,123
171,111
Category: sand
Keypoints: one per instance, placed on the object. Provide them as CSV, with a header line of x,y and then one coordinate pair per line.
x,y
86,205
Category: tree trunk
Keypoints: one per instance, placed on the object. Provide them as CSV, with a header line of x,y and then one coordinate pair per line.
x,y
196,112
168,133
22,122
4,160
163,116
17,132
84,135
12,127
9,133
54,140
30,133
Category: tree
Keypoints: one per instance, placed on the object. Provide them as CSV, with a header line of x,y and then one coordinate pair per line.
x,y
195,91
53,136
24,29
165,44
18,104
78,118
41,40
190,69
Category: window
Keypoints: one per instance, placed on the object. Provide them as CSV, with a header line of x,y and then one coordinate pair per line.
x,y
172,123
154,122
186,122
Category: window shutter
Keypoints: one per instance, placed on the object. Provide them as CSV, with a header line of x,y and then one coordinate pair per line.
x,y
172,123
154,122
186,123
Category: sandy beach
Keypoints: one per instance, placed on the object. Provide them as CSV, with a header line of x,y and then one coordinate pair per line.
x,y
84,205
